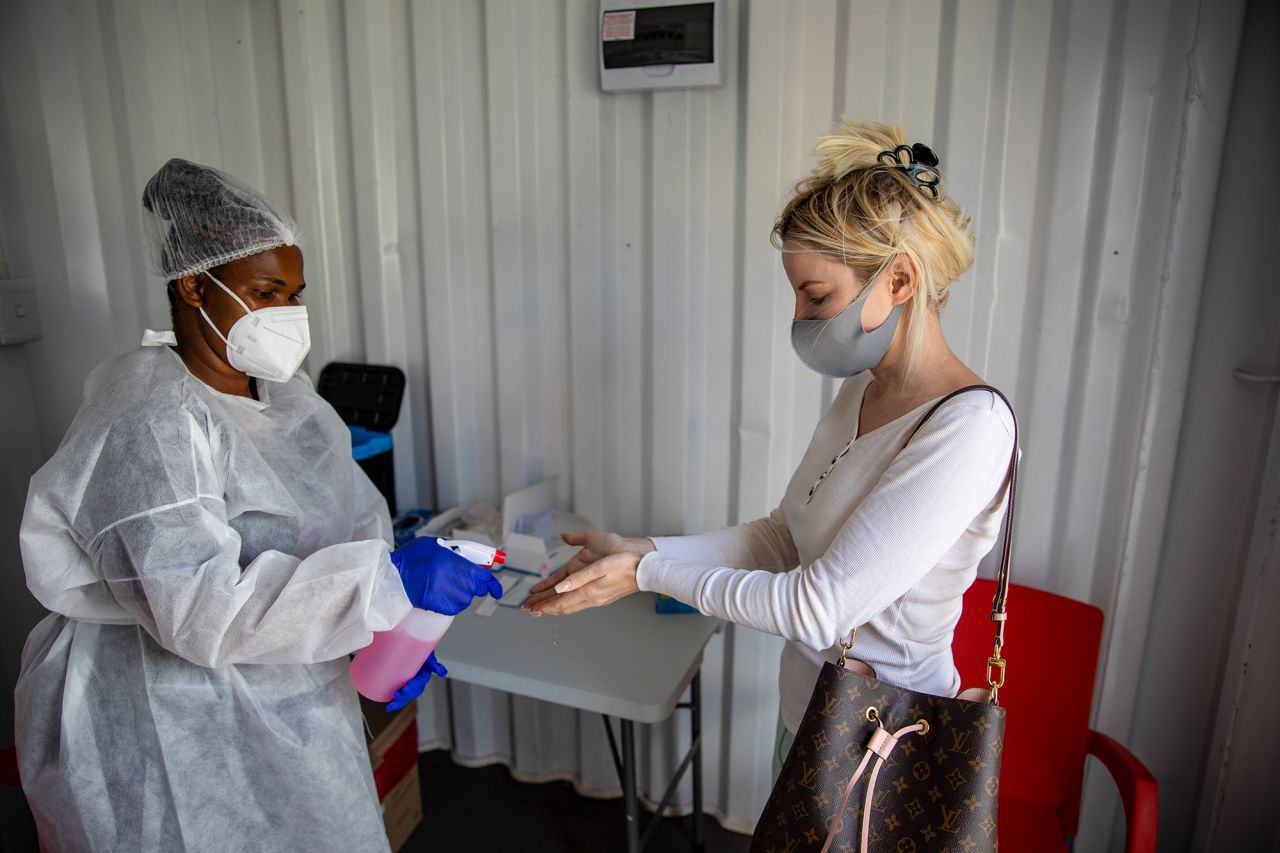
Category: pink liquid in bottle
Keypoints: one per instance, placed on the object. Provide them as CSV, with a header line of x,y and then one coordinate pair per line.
x,y
382,667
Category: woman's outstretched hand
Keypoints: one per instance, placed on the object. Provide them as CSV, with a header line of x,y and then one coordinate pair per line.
x,y
601,573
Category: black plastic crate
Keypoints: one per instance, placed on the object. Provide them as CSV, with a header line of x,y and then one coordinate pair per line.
x,y
365,395
381,470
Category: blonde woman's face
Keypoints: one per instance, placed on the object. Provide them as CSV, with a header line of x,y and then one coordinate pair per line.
x,y
823,287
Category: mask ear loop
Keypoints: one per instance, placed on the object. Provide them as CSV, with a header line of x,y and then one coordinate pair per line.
x,y
214,325
229,291
872,282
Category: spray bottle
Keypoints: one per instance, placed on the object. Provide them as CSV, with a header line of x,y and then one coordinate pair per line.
x,y
385,665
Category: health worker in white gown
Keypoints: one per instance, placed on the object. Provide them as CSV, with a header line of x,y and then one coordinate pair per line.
x,y
211,555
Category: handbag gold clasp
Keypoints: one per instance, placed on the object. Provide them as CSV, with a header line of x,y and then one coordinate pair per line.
x,y
995,673
845,646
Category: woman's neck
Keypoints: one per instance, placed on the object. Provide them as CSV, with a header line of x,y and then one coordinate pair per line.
x,y
934,369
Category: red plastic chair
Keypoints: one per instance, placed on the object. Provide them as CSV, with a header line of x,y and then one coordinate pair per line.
x,y
1052,651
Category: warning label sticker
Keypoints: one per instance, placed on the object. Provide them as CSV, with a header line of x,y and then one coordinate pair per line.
x,y
619,26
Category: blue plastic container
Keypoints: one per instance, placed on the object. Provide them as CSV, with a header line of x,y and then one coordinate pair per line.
x,y
667,604
372,452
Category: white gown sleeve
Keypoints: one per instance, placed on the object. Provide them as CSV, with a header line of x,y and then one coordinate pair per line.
x,y
133,527
929,495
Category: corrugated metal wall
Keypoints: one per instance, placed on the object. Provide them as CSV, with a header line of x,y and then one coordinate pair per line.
x,y
581,285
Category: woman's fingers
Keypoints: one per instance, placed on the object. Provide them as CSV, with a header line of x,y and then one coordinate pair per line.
x,y
570,602
601,583
580,561
602,542
534,598
547,582
576,594
545,588
577,563
579,579
554,578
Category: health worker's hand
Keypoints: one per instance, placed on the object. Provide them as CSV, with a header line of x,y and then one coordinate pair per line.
x,y
599,574
413,688
439,580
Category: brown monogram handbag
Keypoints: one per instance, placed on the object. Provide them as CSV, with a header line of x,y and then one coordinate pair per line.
x,y
877,768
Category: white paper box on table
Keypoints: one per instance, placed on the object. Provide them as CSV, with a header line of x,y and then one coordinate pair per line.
x,y
525,553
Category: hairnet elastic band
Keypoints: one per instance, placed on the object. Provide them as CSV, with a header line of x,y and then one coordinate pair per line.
x,y
228,257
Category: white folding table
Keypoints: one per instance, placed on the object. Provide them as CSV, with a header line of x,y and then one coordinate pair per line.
x,y
623,661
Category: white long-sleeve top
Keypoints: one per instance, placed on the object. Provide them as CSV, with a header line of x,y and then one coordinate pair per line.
x,y
889,543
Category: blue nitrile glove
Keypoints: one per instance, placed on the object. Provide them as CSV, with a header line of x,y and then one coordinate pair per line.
x,y
413,688
439,580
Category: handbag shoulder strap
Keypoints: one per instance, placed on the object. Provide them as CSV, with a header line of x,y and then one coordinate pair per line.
x,y
999,605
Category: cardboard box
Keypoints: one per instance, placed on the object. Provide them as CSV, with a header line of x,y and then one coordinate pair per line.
x,y
393,753
402,808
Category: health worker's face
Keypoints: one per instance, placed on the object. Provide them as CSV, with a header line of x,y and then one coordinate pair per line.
x,y
269,279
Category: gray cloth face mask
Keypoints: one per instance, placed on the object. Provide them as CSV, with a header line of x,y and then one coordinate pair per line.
x,y
839,347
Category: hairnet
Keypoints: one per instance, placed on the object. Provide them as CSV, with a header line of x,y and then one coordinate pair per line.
x,y
197,217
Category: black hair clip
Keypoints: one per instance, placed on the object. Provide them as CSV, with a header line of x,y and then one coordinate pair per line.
x,y
919,162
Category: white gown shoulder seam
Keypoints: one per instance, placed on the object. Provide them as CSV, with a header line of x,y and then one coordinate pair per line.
x,y
149,511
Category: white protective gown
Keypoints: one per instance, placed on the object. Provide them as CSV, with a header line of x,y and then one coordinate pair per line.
x,y
210,561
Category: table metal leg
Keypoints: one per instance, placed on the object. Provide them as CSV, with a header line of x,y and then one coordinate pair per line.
x,y
629,798
695,732
613,747
625,762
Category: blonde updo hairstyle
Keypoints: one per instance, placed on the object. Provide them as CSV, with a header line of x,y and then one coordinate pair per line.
x,y
862,213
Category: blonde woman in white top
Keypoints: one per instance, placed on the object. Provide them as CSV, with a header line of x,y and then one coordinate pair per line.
x,y
872,532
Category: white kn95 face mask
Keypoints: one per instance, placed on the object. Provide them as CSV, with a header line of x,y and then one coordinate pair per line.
x,y
269,343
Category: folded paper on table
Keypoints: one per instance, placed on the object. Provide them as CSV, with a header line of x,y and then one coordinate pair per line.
x,y
530,501
537,523
515,587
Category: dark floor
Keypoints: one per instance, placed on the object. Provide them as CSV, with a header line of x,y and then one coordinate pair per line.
x,y
486,811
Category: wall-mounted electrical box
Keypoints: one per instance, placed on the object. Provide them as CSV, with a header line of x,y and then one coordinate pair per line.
x,y
19,316
660,44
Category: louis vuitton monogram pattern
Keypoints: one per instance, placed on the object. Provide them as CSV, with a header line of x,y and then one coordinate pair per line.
x,y
936,792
